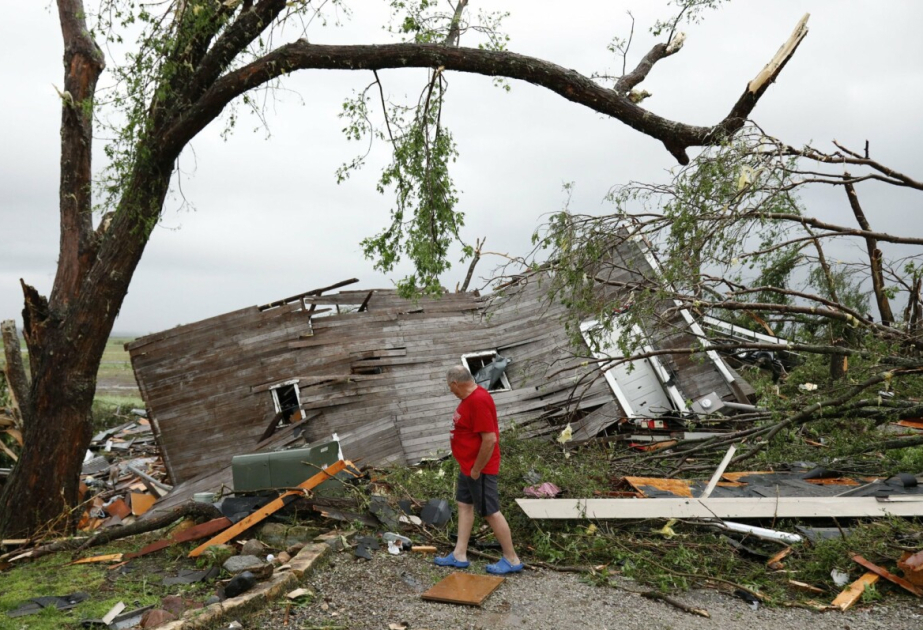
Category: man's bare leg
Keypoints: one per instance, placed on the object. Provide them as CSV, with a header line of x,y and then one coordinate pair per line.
x,y
465,523
501,530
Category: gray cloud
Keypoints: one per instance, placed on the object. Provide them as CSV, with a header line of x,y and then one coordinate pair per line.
x,y
270,220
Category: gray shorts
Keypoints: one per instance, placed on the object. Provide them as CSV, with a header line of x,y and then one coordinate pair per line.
x,y
482,493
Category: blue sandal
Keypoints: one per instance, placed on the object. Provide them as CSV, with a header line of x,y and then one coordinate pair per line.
x,y
503,567
450,561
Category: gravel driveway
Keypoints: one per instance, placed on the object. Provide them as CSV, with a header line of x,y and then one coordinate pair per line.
x,y
370,595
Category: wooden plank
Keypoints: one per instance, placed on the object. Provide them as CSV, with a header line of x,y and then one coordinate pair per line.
x,y
853,592
193,533
718,472
746,507
877,570
269,508
463,588
109,557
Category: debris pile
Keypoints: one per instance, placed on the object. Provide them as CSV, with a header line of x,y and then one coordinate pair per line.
x,y
123,475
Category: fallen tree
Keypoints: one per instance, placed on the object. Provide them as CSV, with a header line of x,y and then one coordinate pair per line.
x,y
729,240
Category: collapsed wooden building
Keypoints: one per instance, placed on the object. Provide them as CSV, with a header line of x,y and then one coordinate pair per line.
x,y
369,366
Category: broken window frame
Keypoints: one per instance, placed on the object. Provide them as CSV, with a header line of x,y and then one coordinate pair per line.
x,y
493,354
672,392
276,402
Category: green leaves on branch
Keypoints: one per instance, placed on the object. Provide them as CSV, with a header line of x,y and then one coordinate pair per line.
x,y
424,221
428,22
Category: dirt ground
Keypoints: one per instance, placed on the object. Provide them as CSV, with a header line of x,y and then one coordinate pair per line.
x,y
370,595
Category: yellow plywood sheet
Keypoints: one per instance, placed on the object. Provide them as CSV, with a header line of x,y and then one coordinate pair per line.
x,y
464,588
141,503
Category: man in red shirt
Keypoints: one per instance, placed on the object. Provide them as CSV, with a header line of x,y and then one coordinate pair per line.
x,y
475,446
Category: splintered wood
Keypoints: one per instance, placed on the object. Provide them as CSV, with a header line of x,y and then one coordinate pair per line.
x,y
463,588
853,592
877,570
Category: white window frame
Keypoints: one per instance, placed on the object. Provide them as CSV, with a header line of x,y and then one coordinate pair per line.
x,y
275,394
504,381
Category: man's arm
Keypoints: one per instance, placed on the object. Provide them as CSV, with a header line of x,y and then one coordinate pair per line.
x,y
488,441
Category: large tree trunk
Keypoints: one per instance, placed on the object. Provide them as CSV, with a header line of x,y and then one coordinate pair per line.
x,y
63,355
45,480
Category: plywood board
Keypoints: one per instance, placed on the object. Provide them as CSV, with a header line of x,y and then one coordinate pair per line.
x,y
141,503
463,588
746,507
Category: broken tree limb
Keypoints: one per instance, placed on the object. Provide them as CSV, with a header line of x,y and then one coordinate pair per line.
x,y
807,413
15,371
211,91
190,509
887,445
701,612
186,510
785,52
628,81
875,267
474,261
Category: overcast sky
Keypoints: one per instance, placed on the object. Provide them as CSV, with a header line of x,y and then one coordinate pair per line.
x,y
269,219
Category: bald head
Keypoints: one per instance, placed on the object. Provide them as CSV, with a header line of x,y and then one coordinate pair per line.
x,y
460,381
459,374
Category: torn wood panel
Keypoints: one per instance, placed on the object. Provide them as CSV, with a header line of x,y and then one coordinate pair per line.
x,y
679,487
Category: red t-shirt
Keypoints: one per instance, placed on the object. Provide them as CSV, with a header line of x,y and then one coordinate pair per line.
x,y
475,414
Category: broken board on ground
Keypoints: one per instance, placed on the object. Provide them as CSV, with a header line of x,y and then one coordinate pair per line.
x,y
463,588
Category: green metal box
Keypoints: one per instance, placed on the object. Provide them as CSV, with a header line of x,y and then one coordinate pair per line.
x,y
284,469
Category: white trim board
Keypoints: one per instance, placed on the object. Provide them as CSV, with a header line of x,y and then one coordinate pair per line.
x,y
748,507
693,325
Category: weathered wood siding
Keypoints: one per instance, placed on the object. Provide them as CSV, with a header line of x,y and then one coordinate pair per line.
x,y
207,385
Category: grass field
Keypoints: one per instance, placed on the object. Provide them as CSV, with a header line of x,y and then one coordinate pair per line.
x,y
115,381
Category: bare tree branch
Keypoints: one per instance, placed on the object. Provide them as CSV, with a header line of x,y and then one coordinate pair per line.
x,y
454,35
301,55
878,282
